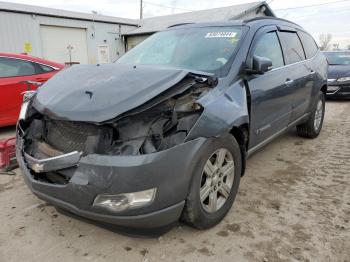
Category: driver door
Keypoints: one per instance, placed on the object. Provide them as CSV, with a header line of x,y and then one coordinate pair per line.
x,y
271,103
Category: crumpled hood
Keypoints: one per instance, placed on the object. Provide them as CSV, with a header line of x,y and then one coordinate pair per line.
x,y
99,93
337,71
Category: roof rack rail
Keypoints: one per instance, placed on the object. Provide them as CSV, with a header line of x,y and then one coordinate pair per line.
x,y
267,18
180,24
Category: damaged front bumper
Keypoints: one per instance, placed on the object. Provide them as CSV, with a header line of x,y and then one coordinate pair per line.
x,y
168,171
52,163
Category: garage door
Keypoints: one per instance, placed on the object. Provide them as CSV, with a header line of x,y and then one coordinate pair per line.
x,y
135,40
64,44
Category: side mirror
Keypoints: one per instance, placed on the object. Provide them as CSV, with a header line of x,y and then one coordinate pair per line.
x,y
260,66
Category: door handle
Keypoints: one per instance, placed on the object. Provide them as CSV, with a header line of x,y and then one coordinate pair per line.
x,y
312,72
289,81
29,83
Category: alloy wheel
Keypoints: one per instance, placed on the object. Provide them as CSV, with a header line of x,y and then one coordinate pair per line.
x,y
318,115
217,180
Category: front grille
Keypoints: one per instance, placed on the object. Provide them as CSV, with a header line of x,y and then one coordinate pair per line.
x,y
69,136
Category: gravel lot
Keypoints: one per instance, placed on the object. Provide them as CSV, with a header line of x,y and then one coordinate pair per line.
x,y
293,205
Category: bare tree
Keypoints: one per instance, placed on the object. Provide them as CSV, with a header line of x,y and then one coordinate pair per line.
x,y
325,40
336,46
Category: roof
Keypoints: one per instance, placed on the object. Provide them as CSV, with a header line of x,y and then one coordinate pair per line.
x,y
38,10
155,24
253,23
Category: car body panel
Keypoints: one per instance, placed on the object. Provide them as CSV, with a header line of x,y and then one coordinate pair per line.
x,y
338,71
304,83
342,88
264,105
103,92
11,88
96,174
223,109
338,89
271,105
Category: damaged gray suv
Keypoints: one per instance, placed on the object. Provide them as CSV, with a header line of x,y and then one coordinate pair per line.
x,y
163,134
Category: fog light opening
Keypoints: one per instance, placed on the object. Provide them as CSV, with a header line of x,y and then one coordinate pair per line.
x,y
332,88
121,202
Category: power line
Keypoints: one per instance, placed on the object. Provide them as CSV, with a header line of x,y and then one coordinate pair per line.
x,y
320,15
281,9
307,6
150,3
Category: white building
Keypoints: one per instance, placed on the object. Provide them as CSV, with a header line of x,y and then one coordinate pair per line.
x,y
53,34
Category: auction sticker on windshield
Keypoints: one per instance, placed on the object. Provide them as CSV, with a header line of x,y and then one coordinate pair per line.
x,y
221,34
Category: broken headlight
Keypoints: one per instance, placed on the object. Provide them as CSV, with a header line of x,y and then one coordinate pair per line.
x,y
27,98
157,128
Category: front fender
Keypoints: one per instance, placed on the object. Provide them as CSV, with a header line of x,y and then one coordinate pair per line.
x,y
223,109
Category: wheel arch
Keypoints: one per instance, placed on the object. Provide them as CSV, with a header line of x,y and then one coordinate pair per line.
x,y
241,134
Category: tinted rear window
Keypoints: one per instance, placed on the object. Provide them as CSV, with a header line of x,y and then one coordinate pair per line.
x,y
292,48
44,69
309,44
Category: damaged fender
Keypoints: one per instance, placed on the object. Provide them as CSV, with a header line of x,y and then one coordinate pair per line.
x,y
229,109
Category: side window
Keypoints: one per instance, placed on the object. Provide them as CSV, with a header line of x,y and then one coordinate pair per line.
x,y
15,67
269,46
309,44
292,48
42,69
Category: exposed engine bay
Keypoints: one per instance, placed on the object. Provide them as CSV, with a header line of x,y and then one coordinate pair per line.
x,y
161,123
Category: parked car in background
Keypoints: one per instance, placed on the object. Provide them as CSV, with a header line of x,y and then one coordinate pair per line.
x,y
19,73
338,74
163,133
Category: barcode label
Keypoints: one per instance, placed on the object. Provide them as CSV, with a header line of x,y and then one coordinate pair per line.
x,y
220,34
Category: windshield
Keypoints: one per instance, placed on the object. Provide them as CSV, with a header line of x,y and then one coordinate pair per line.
x,y
206,49
338,58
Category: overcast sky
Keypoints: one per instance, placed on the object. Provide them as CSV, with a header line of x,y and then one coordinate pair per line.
x,y
326,18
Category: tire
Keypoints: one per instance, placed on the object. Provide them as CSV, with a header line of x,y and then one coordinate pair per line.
x,y
203,215
310,129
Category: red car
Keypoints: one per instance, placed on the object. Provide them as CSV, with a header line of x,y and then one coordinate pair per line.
x,y
19,73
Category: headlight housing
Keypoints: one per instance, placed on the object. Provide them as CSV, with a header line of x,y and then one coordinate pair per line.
x,y
343,79
27,97
121,202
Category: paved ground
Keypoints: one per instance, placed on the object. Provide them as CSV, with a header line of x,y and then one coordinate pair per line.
x,y
293,205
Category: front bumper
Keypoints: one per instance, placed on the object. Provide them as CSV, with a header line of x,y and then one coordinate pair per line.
x,y
170,171
338,90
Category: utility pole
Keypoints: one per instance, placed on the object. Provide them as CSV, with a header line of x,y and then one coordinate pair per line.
x,y
141,9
